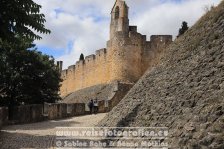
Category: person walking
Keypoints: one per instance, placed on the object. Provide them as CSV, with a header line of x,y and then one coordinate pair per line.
x,y
96,106
90,105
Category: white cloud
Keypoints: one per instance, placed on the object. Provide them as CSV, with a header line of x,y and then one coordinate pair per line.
x,y
85,23
167,17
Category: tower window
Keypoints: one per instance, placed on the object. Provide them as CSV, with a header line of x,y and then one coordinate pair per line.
x,y
117,12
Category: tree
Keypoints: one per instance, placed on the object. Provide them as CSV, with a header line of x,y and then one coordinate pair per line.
x,y
81,58
27,76
17,17
183,29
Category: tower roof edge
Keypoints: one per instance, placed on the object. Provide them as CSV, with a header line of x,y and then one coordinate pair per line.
x,y
116,3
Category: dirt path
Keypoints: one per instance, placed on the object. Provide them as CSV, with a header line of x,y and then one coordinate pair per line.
x,y
41,135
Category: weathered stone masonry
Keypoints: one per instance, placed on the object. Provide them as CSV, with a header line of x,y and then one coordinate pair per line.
x,y
126,58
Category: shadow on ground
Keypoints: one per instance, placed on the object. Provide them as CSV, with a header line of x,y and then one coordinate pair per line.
x,y
16,140
43,125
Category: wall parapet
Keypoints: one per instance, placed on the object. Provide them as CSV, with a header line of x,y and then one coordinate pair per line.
x,y
144,37
90,58
64,74
133,28
101,52
80,63
71,69
39,112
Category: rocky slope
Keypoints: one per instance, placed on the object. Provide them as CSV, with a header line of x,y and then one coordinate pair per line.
x,y
185,92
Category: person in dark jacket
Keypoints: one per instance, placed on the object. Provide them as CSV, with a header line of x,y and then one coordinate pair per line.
x,y
90,105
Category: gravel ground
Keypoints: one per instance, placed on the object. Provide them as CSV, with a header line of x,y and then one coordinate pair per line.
x,y
41,135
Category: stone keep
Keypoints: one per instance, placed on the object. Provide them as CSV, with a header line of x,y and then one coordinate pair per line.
x,y
127,56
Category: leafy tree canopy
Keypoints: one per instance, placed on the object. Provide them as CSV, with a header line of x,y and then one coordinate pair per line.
x,y
21,18
183,29
27,76
81,57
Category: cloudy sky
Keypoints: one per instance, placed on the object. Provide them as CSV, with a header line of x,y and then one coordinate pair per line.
x,y
82,26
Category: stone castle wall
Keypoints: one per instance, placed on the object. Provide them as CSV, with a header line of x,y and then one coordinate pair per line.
x,y
123,55
127,56
95,69
154,49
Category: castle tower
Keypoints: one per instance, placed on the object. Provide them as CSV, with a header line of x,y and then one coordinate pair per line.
x,y
59,66
124,46
119,18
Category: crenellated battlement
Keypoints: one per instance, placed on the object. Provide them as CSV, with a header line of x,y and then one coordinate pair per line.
x,y
89,61
64,74
90,58
133,28
71,68
80,63
101,52
144,38
135,37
